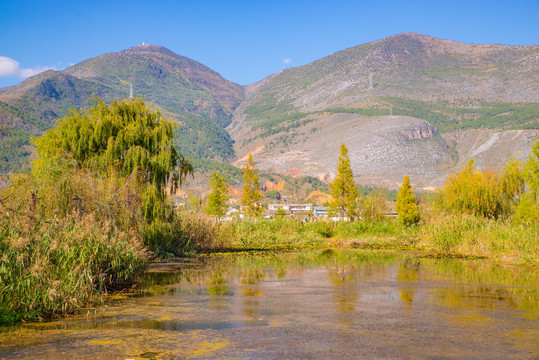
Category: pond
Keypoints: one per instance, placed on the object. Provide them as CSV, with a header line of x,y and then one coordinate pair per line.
x,y
316,304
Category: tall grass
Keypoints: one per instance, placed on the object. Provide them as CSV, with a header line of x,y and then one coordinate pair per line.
x,y
65,238
479,236
285,233
440,232
49,268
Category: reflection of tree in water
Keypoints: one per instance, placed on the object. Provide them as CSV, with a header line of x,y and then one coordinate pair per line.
x,y
343,278
250,281
516,286
408,274
218,285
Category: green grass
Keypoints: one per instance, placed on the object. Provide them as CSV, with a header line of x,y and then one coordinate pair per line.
x,y
501,239
441,234
285,233
59,267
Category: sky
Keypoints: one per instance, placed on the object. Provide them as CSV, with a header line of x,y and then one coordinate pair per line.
x,y
244,41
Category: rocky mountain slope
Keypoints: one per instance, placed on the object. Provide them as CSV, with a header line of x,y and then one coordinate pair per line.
x,y
381,149
400,85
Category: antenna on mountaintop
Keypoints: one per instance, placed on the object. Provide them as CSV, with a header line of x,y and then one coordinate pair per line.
x,y
370,81
131,92
390,109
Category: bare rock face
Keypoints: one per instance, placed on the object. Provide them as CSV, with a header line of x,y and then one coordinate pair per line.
x,y
491,149
382,149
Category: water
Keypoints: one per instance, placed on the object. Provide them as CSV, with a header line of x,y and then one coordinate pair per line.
x,y
319,304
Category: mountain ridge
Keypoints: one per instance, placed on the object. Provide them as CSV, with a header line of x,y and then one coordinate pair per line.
x,y
452,85
428,85
187,91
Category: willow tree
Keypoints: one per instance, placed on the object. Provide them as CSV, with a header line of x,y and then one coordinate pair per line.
x,y
343,189
406,204
485,193
250,199
126,138
217,200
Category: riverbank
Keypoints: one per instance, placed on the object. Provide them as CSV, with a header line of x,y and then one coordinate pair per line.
x,y
441,234
70,264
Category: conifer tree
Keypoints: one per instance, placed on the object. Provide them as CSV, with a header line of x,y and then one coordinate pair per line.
x,y
406,205
343,189
217,200
252,194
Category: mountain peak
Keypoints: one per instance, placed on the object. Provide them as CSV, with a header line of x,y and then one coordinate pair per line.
x,y
145,48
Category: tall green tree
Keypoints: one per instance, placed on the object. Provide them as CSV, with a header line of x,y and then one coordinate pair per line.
x,y
218,198
125,138
250,199
406,205
344,191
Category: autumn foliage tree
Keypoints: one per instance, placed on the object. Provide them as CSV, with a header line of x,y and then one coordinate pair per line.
x,y
250,199
527,210
344,191
486,193
218,197
406,204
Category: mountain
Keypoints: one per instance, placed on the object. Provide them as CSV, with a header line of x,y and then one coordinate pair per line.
x,y
190,93
407,104
164,78
397,103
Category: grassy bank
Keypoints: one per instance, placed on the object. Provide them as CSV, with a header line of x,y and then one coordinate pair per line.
x,y
58,267
440,234
501,240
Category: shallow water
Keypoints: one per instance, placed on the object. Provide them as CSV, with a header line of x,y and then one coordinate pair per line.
x,y
311,305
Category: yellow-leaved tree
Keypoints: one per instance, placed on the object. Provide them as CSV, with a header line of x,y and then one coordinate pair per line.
x,y
406,205
250,199
344,190
218,197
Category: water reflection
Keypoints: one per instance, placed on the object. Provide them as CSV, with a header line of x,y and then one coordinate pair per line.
x,y
371,304
408,275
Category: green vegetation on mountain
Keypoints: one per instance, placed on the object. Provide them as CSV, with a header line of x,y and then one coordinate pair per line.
x,y
444,115
203,139
13,149
197,97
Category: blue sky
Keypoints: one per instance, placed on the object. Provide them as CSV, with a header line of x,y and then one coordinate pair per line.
x,y
244,41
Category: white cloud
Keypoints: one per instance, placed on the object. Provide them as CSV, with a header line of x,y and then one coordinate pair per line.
x,y
287,61
10,67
